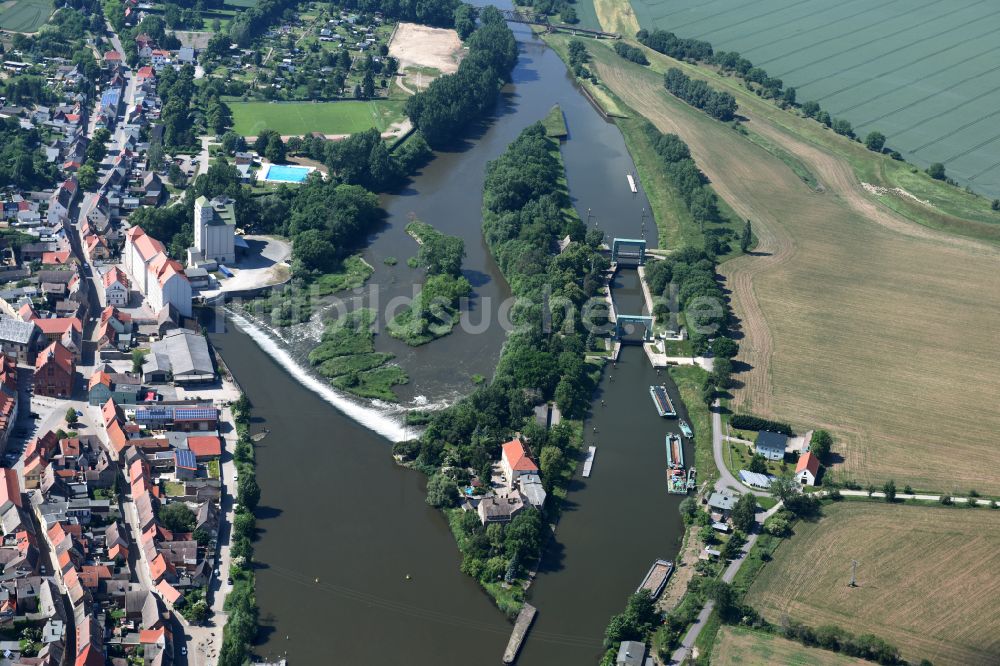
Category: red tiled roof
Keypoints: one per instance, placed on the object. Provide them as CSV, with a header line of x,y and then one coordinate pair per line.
x,y
10,487
808,462
57,354
205,446
58,325
517,457
169,593
55,258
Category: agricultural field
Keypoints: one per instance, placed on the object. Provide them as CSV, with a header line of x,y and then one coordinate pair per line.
x,y
921,582
738,646
924,73
24,15
298,118
853,315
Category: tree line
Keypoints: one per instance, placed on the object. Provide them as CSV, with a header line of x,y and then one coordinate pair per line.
x,y
451,103
700,95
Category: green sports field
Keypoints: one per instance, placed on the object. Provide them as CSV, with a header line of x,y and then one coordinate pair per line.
x,y
298,118
24,15
923,72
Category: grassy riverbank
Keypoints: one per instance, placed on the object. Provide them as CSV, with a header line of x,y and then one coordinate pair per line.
x,y
555,123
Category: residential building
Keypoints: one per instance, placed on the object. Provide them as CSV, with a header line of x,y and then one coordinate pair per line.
x,y
116,287
18,339
807,470
771,445
214,231
721,504
515,462
494,509
161,280
632,653
54,372
105,385
532,489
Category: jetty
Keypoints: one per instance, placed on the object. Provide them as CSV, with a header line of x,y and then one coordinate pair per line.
x,y
588,462
521,626
631,183
656,578
661,399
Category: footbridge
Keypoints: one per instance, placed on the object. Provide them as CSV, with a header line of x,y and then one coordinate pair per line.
x,y
529,17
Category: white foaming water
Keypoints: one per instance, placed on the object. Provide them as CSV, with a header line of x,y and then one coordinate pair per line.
x,y
369,417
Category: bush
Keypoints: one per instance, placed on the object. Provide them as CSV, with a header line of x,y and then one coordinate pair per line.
x,y
936,171
631,53
749,422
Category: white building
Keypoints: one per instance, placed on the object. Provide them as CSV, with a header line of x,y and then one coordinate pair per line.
x,y
807,470
159,278
115,287
214,232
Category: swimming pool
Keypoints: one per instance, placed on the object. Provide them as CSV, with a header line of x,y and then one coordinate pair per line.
x,y
287,174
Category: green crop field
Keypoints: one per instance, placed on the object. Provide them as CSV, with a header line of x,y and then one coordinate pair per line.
x,y
24,15
298,118
925,73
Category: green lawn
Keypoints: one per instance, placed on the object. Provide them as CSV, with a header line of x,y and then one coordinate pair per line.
x,y
298,118
25,15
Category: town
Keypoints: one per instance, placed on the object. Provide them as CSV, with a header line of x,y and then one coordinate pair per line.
x,y
118,487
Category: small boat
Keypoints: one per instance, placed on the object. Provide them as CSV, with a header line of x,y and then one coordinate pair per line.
x,y
664,406
685,428
691,482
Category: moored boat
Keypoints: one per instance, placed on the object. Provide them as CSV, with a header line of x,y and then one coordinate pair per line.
x,y
685,428
664,407
691,484
656,578
676,474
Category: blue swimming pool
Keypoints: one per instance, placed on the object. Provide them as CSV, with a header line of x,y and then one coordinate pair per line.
x,y
287,174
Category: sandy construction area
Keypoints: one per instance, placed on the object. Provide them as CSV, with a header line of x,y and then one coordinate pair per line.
x,y
420,46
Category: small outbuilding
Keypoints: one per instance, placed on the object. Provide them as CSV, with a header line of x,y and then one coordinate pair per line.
x,y
807,471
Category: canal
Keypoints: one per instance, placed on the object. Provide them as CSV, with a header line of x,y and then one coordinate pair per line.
x,y
355,567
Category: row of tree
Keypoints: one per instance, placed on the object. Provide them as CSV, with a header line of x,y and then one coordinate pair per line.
x,y
453,102
700,95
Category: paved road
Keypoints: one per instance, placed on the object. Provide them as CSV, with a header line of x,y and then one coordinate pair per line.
x,y
726,479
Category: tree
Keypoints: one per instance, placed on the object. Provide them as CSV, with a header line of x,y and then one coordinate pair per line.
x,y
551,461
725,347
177,517
247,490
275,151
820,444
688,508
870,489
440,491
782,488
843,127
747,237
202,536
87,176
744,512
233,142
889,488
758,465
138,358
314,251
368,85
875,141
71,417
936,171
96,149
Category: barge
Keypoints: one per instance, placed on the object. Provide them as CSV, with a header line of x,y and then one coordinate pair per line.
x,y
676,474
664,407
656,578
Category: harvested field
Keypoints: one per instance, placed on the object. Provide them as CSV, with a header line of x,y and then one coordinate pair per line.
x,y
616,16
853,315
738,646
422,46
923,578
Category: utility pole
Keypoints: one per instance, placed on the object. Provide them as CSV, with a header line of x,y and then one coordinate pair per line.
x,y
854,573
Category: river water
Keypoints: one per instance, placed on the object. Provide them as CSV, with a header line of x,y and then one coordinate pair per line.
x,y
355,567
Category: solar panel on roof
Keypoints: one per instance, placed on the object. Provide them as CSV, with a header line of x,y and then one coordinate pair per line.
x,y
194,414
185,459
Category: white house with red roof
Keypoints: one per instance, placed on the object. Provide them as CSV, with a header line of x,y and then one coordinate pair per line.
x,y
515,461
807,470
159,278
115,287
159,58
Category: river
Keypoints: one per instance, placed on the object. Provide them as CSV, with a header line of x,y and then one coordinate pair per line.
x,y
355,568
